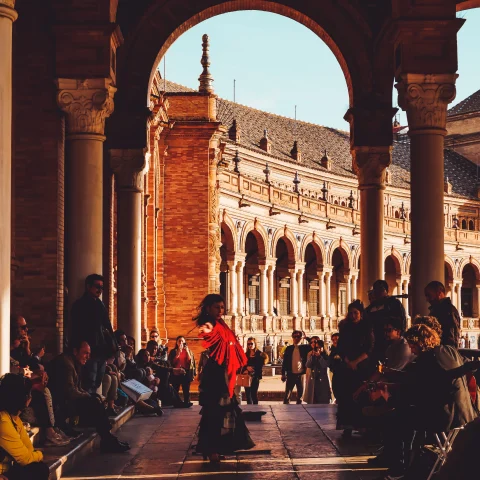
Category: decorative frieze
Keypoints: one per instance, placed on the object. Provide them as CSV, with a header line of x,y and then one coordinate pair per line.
x,y
87,104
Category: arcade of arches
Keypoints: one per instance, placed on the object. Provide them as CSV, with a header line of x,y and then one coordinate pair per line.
x,y
103,171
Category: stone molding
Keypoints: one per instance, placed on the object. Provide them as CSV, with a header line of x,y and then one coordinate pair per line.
x,y
425,99
129,166
369,164
87,104
7,9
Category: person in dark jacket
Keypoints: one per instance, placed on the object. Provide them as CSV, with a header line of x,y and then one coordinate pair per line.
x,y
90,323
293,367
444,311
379,312
256,359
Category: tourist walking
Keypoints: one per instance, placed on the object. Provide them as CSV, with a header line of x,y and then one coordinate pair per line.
x,y
442,309
355,345
256,359
293,367
317,382
182,357
222,429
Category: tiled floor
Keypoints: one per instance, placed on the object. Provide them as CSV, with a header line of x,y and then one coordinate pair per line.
x,y
292,442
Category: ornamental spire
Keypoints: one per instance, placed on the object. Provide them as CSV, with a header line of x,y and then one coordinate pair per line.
x,y
205,78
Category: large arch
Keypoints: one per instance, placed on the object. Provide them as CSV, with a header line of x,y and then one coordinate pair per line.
x,y
151,30
289,238
344,250
317,245
396,258
260,235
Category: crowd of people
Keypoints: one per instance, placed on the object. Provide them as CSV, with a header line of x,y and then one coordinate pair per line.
x,y
402,384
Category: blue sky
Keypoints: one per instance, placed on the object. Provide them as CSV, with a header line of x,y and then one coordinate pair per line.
x,y
278,63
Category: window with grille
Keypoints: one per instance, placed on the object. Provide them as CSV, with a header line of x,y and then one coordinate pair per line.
x,y
254,294
313,297
284,296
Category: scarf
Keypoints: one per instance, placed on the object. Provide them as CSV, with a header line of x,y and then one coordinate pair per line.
x,y
225,349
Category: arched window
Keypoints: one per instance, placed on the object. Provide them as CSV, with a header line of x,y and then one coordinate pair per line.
x,y
343,204
471,225
335,202
397,214
464,224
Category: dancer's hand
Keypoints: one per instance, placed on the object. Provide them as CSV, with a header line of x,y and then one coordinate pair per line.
x,y
206,329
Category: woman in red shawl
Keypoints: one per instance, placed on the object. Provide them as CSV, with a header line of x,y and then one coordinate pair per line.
x,y
222,429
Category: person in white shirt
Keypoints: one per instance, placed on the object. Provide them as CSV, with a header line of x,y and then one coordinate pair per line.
x,y
293,367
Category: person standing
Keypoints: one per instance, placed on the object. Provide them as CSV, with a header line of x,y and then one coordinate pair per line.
x,y
255,362
91,324
444,311
293,367
182,357
222,429
317,385
379,312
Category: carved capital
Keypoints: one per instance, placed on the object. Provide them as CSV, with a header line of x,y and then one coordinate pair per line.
x,y
425,99
87,103
369,164
7,9
129,166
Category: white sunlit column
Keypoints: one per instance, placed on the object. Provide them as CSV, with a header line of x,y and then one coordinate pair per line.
x,y
232,288
271,289
293,293
328,275
7,16
301,300
477,303
240,281
459,298
321,293
405,300
354,286
263,290
349,289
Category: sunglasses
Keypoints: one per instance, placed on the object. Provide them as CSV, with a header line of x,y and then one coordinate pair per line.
x,y
154,336
248,344
23,327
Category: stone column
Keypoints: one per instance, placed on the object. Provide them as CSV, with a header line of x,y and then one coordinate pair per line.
x,y
263,290
425,99
321,293
349,289
459,298
7,16
271,289
328,275
301,300
405,291
477,302
293,293
354,286
87,103
232,288
370,164
130,167
240,282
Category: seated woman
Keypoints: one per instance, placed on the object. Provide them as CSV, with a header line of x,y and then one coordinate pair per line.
x,y
317,388
222,429
20,460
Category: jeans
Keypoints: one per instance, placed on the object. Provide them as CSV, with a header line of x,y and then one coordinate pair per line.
x,y
93,374
293,379
252,391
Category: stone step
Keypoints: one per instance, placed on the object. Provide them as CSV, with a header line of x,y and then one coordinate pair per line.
x,y
63,459
270,396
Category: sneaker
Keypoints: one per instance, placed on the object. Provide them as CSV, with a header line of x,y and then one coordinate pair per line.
x,y
56,441
111,444
62,435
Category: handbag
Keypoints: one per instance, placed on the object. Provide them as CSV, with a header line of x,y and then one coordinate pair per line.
x,y
244,380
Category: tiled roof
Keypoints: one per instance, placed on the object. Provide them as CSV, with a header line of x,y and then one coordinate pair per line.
x,y
469,105
313,140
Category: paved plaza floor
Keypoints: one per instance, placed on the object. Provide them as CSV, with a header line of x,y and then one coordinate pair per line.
x,y
292,442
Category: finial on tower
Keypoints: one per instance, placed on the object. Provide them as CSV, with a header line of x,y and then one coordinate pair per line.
x,y
205,78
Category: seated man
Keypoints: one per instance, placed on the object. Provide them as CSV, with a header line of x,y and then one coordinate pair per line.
x,y
19,340
72,400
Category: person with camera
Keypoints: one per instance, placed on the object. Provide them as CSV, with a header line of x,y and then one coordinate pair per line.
x,y
162,352
20,349
90,323
19,460
293,367
182,357
256,359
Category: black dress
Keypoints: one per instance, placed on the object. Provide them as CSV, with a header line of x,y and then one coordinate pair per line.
x,y
222,428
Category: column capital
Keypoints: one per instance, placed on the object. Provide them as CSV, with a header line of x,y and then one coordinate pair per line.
x,y
7,9
87,104
369,164
425,99
129,166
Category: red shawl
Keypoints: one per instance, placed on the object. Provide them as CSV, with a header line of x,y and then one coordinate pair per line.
x,y
224,348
